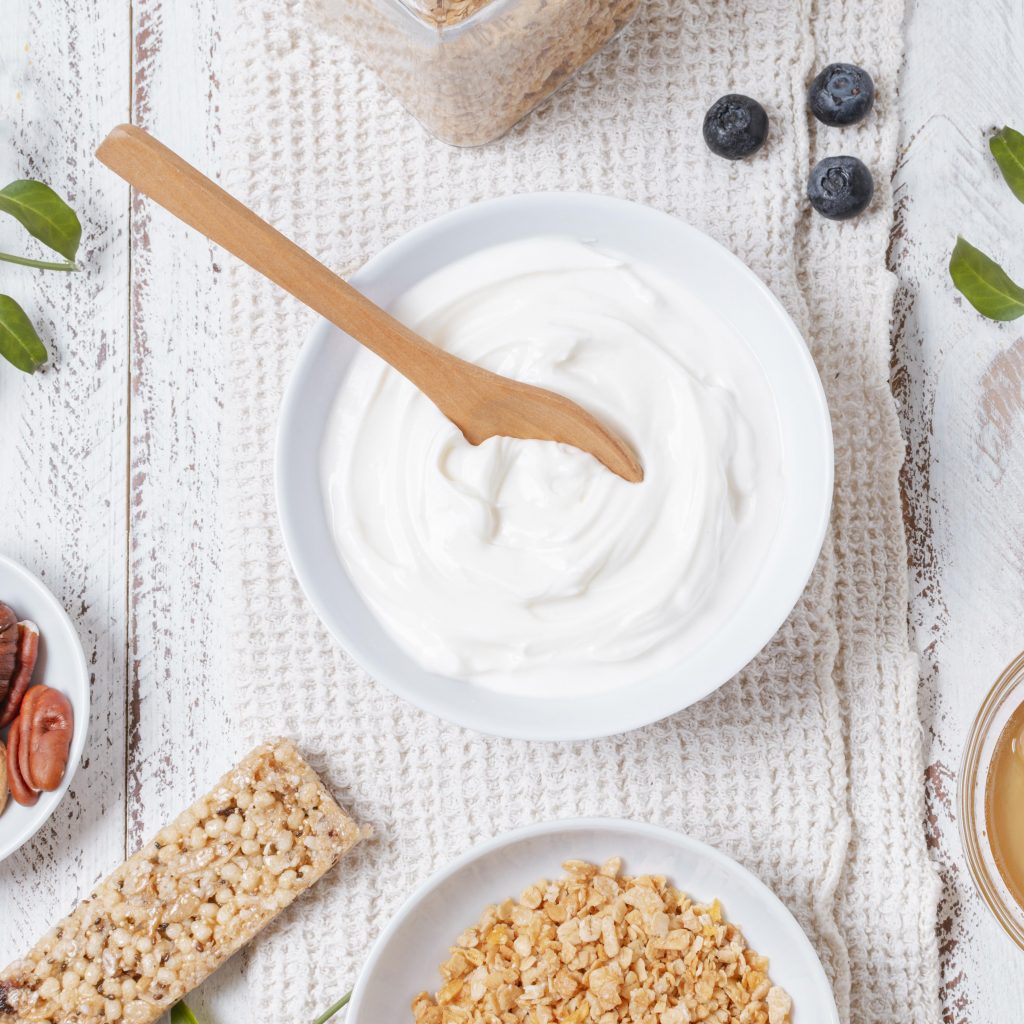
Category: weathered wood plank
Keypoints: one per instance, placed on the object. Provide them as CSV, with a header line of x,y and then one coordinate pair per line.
x,y
62,500
180,734
958,380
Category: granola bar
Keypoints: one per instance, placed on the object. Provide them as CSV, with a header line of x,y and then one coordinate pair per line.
x,y
176,910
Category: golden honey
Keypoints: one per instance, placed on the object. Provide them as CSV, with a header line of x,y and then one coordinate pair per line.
x,y
1004,805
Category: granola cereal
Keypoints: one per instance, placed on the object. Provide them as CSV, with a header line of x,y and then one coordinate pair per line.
x,y
598,946
470,69
446,12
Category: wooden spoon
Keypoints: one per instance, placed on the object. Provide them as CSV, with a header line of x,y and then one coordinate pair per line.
x,y
480,403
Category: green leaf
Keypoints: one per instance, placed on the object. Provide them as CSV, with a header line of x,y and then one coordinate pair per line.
x,y
181,1014
19,343
985,284
44,215
1008,148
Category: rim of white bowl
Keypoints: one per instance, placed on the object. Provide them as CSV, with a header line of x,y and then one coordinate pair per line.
x,y
48,802
551,721
641,828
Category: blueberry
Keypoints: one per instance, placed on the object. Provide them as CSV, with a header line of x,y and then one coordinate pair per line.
x,y
842,94
840,187
735,126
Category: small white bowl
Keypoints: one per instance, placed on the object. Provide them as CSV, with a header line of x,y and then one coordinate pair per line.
x,y
733,291
61,665
405,958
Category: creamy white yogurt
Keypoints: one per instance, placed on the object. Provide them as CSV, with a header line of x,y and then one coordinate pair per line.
x,y
525,565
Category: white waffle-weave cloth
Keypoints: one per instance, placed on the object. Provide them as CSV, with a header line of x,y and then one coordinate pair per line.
x,y
807,767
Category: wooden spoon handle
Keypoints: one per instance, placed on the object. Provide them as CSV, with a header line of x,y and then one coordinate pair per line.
x,y
479,402
176,185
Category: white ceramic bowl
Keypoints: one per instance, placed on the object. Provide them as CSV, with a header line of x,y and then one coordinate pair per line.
x,y
404,960
61,665
734,292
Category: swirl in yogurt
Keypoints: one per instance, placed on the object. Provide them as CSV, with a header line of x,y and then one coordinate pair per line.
x,y
527,566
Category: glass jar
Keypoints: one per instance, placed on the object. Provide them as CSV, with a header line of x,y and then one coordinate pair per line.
x,y
1004,699
470,69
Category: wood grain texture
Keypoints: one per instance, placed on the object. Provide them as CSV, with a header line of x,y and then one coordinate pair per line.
x,y
179,722
959,381
62,497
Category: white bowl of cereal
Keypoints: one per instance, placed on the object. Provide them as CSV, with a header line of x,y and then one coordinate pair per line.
x,y
61,666
489,904
518,587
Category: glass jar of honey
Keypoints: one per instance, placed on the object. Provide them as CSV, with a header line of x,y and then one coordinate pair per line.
x,y
991,798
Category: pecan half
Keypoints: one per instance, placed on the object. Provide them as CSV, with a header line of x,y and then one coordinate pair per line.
x,y
49,739
23,724
28,652
8,647
20,789
3,776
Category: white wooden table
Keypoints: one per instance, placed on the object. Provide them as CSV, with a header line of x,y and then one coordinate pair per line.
x,y
110,457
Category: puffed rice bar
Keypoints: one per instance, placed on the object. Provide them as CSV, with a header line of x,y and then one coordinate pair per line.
x,y
190,898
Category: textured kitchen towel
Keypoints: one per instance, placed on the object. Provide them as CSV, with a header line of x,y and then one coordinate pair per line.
x,y
807,766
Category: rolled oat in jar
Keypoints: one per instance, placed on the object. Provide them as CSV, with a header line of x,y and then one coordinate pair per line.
x,y
470,69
